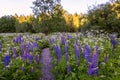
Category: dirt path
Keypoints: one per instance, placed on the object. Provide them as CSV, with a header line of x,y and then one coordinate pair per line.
x,y
46,61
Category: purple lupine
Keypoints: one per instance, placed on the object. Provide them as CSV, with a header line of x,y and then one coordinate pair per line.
x,y
77,54
37,58
90,70
66,52
18,40
68,68
93,66
0,47
69,36
51,40
27,49
95,61
87,53
33,46
105,58
14,53
6,60
36,39
66,58
25,55
58,52
22,48
63,40
30,58
113,42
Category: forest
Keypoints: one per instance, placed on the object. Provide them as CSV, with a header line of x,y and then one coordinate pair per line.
x,y
104,17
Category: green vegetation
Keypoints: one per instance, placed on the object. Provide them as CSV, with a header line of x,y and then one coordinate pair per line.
x,y
53,18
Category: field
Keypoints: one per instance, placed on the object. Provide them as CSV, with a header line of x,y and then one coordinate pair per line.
x,y
75,56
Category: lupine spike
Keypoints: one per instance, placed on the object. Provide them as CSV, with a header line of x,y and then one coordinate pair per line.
x,y
6,60
77,54
51,40
113,42
87,53
68,68
22,49
105,58
30,58
37,58
63,40
66,52
58,52
93,66
27,50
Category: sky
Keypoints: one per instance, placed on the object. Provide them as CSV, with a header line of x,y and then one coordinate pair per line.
x,y
20,7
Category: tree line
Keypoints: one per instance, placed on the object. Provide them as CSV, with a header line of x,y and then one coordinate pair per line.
x,y
49,16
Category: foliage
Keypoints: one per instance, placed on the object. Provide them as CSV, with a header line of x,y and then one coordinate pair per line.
x,y
23,65
104,17
7,24
108,69
49,16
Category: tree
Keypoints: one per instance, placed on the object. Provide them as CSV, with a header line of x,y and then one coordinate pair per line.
x,y
24,23
57,21
105,17
43,9
7,24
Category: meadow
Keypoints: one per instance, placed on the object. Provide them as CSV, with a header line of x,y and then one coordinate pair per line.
x,y
76,56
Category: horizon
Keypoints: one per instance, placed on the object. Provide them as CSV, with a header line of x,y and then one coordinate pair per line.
x,y
22,7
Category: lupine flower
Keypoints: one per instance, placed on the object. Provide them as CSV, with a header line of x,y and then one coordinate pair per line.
x,y
58,52
69,36
24,57
63,40
34,45
37,58
6,60
68,68
113,41
26,54
105,58
51,40
14,53
90,71
36,39
27,49
18,40
30,58
22,48
77,54
0,47
93,66
66,52
87,53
